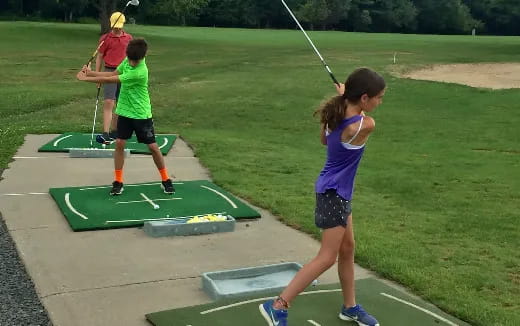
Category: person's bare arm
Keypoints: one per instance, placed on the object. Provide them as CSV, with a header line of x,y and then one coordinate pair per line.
x,y
99,61
104,78
102,73
90,73
367,127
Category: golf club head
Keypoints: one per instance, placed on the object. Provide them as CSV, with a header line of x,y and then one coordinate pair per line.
x,y
133,2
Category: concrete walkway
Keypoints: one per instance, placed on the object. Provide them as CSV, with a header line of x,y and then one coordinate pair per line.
x,y
115,277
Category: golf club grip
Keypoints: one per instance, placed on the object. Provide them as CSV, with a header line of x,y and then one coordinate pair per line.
x,y
333,78
95,53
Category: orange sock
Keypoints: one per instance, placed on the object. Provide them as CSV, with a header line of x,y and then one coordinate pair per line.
x,y
164,174
119,175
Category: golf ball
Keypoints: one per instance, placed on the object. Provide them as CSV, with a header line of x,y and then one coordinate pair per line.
x,y
156,207
167,215
104,146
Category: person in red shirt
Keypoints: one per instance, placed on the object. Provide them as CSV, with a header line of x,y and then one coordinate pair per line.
x,y
111,53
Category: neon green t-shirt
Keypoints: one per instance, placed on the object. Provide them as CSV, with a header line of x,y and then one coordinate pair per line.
x,y
134,100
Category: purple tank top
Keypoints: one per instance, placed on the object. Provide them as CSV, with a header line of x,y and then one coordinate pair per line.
x,y
340,169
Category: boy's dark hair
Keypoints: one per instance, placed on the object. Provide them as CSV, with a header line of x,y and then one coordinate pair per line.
x,y
361,81
136,49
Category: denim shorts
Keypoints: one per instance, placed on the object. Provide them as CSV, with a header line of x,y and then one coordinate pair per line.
x,y
331,210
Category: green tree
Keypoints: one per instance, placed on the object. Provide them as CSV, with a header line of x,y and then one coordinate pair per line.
x,y
444,16
105,9
178,11
496,16
338,13
359,16
314,12
393,15
71,7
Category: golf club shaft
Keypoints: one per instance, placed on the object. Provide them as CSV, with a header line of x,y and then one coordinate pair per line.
x,y
312,44
95,115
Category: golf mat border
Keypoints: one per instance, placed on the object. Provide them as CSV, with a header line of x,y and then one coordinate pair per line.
x,y
92,208
82,140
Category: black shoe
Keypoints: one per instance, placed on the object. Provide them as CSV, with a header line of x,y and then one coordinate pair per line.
x,y
168,186
104,138
117,188
113,135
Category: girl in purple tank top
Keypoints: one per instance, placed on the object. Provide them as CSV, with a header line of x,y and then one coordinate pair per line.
x,y
344,130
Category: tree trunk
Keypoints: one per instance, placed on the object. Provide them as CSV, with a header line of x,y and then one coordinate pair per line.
x,y
106,8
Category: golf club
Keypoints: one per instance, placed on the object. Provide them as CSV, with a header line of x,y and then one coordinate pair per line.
x,y
312,44
95,115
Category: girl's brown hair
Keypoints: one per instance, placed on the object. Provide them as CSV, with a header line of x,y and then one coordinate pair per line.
x,y
361,81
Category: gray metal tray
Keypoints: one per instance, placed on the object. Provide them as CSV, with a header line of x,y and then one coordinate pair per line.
x,y
248,281
94,153
175,227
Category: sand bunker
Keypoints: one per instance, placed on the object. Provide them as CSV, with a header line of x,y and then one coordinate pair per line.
x,y
486,75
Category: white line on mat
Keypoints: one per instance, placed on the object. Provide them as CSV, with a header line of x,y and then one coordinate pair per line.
x,y
67,201
260,299
60,139
143,220
325,291
222,195
165,143
313,322
148,200
419,308
35,157
137,185
29,193
141,201
234,305
160,219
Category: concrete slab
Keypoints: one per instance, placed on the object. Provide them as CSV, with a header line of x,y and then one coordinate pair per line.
x,y
37,211
94,153
86,260
114,277
53,172
123,305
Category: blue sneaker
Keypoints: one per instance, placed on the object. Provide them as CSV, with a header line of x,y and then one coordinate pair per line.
x,y
104,138
273,316
359,315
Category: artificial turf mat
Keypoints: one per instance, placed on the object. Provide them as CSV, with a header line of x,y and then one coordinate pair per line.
x,y
70,140
319,306
91,207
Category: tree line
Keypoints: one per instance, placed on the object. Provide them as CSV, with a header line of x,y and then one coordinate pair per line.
x,y
496,17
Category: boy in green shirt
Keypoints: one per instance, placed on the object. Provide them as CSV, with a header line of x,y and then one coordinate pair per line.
x,y
133,108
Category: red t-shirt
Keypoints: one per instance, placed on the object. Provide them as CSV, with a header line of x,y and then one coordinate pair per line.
x,y
114,48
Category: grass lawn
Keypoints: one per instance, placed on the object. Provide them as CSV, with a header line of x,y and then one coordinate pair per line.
x,y
433,210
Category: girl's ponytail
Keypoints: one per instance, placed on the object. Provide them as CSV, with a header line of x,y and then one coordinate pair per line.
x,y
332,112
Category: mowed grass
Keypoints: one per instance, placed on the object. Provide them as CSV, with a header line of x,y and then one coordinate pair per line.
x,y
438,191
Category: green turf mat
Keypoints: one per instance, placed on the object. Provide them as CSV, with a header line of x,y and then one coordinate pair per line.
x,y
70,140
318,306
91,207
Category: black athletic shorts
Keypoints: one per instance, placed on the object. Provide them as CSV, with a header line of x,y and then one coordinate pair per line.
x,y
143,129
331,210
